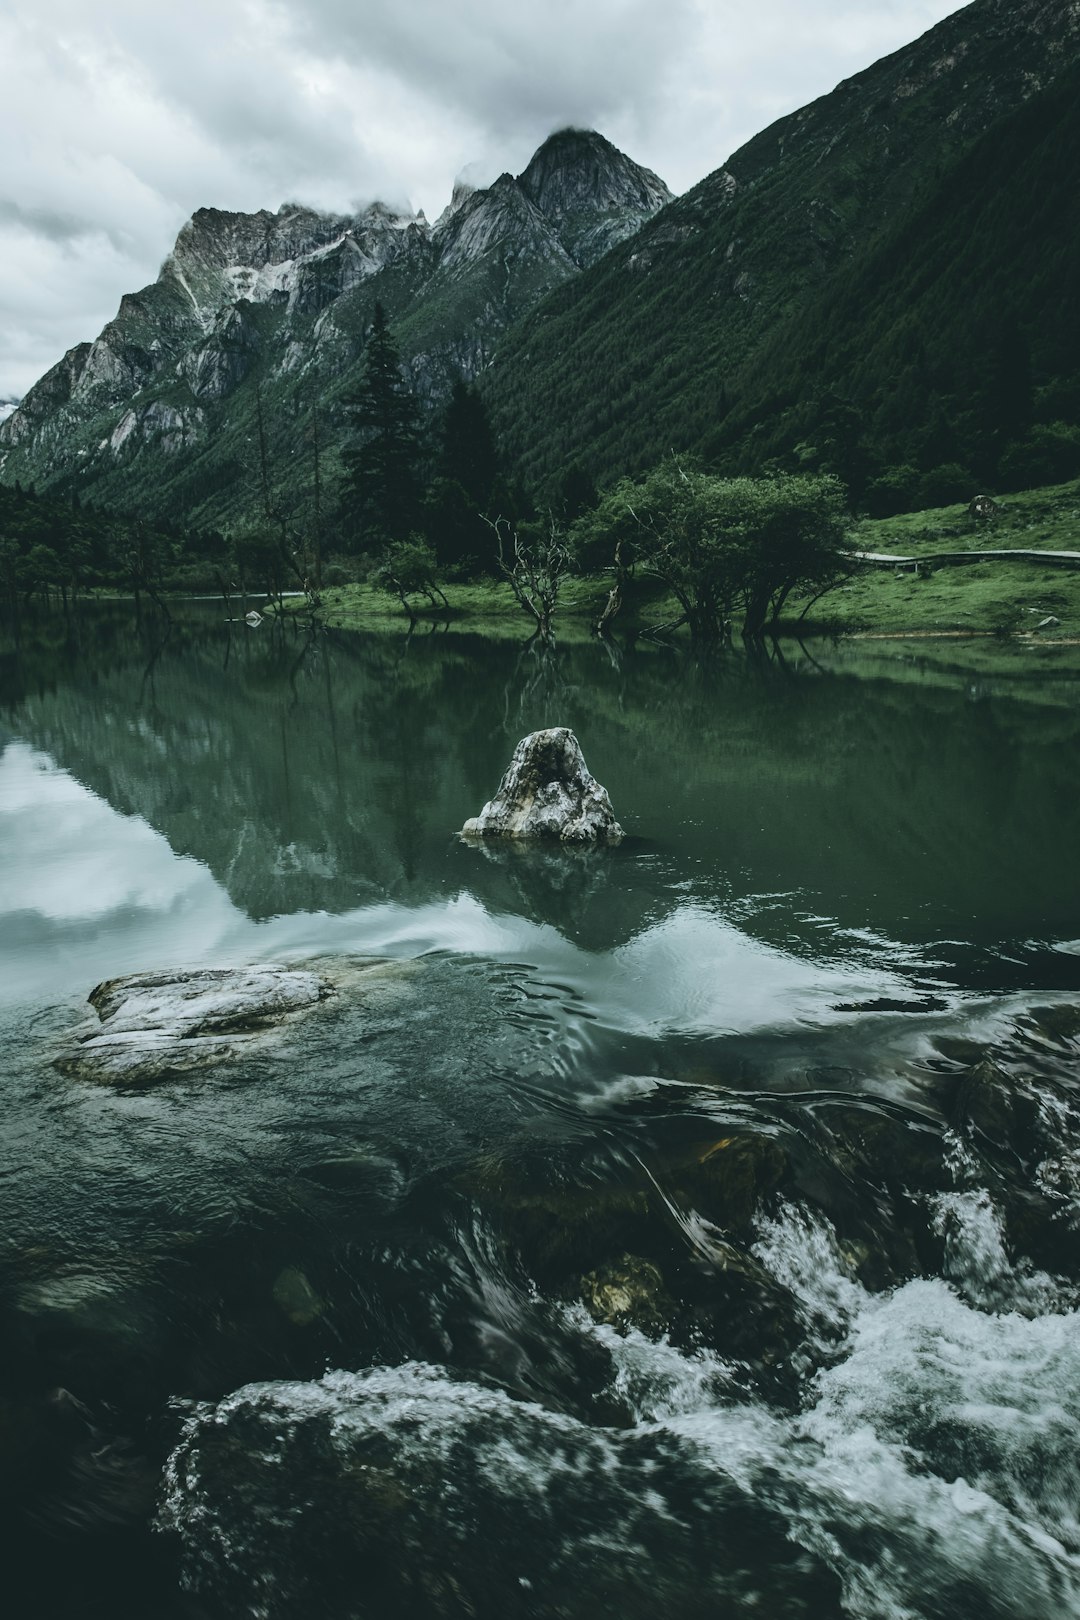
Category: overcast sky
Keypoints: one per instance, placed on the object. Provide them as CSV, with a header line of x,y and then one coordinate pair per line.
x,y
118,118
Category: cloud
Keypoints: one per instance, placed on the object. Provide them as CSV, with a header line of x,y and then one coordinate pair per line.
x,y
118,120
42,221
541,66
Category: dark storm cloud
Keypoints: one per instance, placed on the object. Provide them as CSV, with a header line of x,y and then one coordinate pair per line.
x,y
66,230
43,221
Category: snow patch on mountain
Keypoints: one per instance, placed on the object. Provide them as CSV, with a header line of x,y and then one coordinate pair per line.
x,y
244,299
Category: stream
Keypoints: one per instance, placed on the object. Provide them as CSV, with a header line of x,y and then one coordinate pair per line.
x,y
687,1228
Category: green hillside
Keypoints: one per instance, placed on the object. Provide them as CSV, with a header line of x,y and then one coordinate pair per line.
x,y
854,276
954,340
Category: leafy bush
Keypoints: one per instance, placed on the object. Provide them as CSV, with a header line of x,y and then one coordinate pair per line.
x,y
945,486
720,544
892,492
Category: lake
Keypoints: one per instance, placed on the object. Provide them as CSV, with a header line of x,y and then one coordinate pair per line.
x,y
686,1227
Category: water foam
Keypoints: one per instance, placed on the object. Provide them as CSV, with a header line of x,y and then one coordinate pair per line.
x,y
934,1465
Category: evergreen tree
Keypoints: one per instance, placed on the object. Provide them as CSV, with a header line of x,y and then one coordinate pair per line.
x,y
466,485
468,454
1007,396
382,498
576,493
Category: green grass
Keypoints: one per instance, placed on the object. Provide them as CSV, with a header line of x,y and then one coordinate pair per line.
x,y
1006,598
979,599
1009,597
489,608
1035,519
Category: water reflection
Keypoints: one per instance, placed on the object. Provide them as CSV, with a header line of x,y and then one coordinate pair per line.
x,y
93,894
875,824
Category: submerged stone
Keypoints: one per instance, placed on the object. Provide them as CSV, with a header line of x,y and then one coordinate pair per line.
x,y
409,1492
1060,1024
630,1292
294,1295
156,1025
548,792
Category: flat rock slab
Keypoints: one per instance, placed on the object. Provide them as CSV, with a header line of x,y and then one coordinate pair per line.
x,y
156,1025
548,793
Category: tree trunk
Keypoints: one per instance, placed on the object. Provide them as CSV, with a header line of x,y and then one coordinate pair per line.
x,y
757,608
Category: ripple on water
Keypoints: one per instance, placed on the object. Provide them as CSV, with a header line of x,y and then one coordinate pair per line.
x,y
931,1469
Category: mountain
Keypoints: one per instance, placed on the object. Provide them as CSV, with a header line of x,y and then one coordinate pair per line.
x,y
881,284
725,321
950,347
262,316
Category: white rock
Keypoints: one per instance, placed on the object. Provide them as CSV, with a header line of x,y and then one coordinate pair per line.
x,y
154,1025
548,793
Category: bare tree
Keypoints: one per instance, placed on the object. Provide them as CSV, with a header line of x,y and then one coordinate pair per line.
x,y
290,544
534,567
614,599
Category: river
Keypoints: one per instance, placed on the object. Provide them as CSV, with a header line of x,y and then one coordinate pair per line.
x,y
688,1228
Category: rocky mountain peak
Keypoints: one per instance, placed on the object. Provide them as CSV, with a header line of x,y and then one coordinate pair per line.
x,y
280,297
592,194
216,239
500,218
463,190
578,169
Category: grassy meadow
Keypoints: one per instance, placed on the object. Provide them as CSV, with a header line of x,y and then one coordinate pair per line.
x,y
1008,597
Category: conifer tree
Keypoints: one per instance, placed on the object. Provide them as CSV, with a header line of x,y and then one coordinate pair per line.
x,y
468,448
576,493
383,494
465,487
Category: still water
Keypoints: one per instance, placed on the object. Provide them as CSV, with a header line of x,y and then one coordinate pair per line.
x,y
683,1229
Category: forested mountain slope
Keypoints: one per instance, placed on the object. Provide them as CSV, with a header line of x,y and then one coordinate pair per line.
x,y
952,342
690,323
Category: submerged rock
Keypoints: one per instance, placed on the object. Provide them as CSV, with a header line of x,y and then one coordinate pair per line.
x,y
295,1297
409,1492
155,1025
630,1292
548,792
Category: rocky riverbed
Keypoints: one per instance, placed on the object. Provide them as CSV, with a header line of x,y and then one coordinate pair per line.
x,y
599,1319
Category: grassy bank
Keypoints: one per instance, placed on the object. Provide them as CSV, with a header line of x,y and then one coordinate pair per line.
x,y
1008,597
489,608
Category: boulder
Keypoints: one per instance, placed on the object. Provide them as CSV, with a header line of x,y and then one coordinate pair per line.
x,y
409,1492
157,1025
548,793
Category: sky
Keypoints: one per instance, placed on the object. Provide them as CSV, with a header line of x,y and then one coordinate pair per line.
x,y
118,118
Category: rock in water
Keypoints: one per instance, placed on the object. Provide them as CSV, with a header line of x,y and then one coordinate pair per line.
x,y
407,1491
548,792
156,1025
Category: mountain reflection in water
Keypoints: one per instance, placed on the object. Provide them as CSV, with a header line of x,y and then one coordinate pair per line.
x,y
682,1228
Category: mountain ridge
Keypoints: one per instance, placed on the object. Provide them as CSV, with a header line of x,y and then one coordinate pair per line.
x,y
282,302
670,320
605,321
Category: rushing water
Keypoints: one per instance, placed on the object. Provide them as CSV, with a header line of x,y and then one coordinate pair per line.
x,y
684,1229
